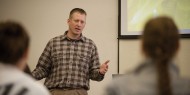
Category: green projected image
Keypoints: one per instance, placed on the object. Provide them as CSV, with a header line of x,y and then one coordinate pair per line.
x,y
139,11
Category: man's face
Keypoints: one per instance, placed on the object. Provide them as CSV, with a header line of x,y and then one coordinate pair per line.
x,y
76,23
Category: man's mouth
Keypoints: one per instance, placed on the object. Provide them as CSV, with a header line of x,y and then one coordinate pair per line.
x,y
78,29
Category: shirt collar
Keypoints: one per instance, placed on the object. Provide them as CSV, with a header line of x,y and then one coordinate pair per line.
x,y
65,37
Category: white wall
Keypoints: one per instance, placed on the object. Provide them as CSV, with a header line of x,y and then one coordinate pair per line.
x,y
45,19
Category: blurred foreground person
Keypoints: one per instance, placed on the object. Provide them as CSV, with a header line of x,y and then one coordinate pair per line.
x,y
157,75
27,70
14,44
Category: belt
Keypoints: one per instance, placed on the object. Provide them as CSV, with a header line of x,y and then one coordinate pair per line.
x,y
66,88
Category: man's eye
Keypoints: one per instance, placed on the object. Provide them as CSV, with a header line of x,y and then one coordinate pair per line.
x,y
76,20
82,22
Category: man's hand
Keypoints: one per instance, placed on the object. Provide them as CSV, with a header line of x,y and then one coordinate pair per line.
x,y
104,67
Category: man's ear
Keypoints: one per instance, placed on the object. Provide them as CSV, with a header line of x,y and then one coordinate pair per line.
x,y
68,21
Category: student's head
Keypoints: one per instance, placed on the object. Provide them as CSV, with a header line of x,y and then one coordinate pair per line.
x,y
14,43
160,42
76,22
160,38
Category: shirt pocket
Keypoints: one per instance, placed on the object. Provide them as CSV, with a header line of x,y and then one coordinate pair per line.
x,y
84,61
84,58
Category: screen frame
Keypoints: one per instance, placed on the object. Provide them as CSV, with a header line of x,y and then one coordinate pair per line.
x,y
132,36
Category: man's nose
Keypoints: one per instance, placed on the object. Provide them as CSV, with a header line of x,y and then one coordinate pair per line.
x,y
79,23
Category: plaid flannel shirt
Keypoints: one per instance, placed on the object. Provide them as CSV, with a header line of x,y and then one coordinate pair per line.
x,y
67,63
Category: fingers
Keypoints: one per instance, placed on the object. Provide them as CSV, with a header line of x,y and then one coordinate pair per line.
x,y
107,62
105,70
104,67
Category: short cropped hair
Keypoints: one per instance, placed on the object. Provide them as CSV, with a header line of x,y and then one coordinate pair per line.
x,y
79,10
14,42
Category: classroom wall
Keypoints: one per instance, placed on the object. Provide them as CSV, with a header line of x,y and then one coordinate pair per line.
x,y
45,19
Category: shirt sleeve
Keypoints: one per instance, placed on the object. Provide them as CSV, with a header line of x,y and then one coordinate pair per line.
x,y
44,63
95,66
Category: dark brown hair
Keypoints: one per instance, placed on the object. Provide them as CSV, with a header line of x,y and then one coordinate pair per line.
x,y
79,10
160,42
14,42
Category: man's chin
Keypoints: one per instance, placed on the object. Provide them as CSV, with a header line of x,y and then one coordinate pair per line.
x,y
78,32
